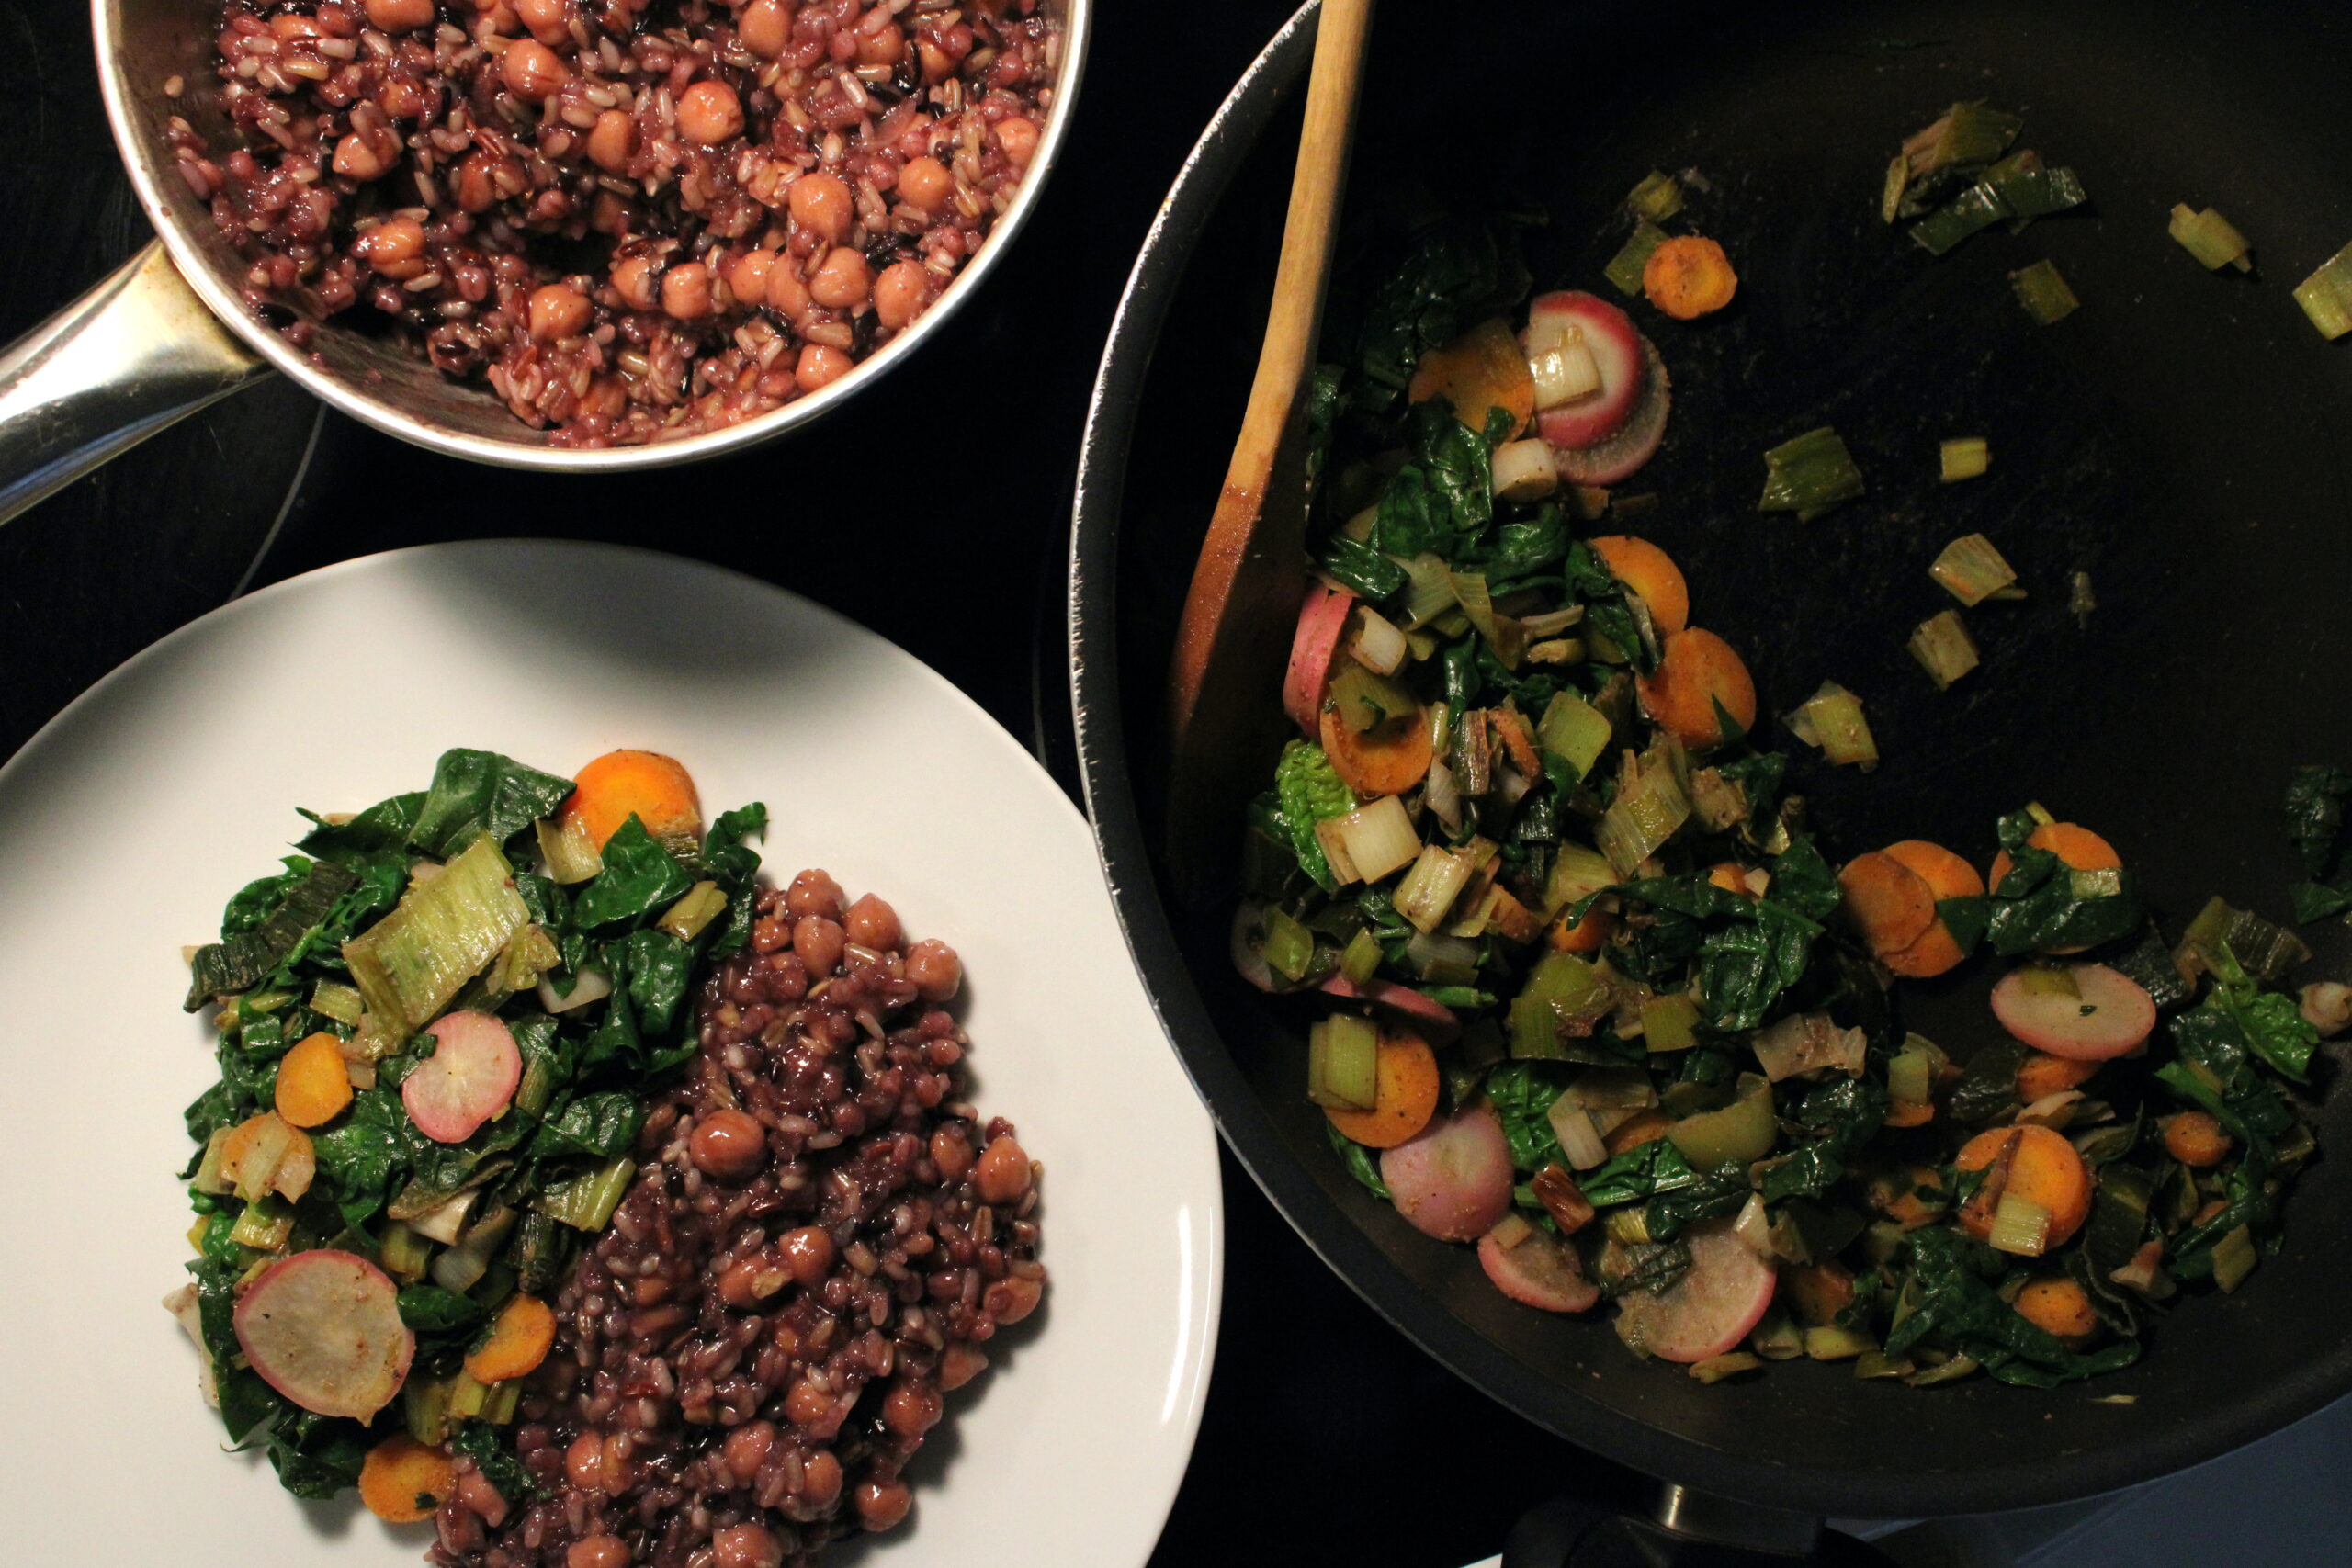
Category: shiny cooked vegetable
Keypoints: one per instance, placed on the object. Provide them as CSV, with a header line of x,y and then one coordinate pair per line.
x,y
1588,994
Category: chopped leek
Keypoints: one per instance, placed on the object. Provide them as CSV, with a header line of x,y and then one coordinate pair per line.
x,y
1374,839
401,1252
1943,648
1671,1022
341,1003
1503,633
1563,995
466,1395
1967,458
1878,1364
702,903
1657,197
1574,732
1287,947
1952,1370
1624,269
1361,959
1777,1337
2080,601
445,1221
1909,1076
1809,475
1966,134
1650,807
1828,1342
587,986
1831,719
567,850
209,1179
1731,1363
2018,187
2020,1227
1580,1141
424,1403
1577,874
2210,238
410,963
586,1202
2233,1259
1380,646
1429,889
1740,1133
2326,295
1972,571
1442,960
1890,195
2044,293
1343,1062
266,1225
1429,591
1563,370
499,1405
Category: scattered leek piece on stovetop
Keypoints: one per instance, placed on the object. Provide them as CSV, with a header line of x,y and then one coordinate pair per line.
x,y
2210,238
2079,601
2019,188
1626,269
2326,295
1890,199
1966,134
1943,648
1831,720
1658,198
1809,475
2048,300
1967,458
1972,571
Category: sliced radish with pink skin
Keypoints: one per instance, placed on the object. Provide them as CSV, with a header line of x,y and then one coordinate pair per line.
x,y
2109,1016
1711,1309
323,1328
1541,1271
470,1077
1452,1180
1435,1021
1635,444
1616,346
1320,621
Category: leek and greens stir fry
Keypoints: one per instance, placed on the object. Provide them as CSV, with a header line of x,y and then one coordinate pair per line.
x,y
339,980
1588,993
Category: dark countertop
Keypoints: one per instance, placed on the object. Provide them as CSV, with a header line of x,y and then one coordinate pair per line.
x,y
1320,1419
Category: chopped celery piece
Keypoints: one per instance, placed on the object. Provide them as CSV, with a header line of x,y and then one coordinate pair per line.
x,y
497,1406
1909,1076
2233,1259
467,1396
1967,458
1577,874
1967,134
402,1253
266,1225
1671,1022
1657,197
1650,807
2326,295
209,1179
1828,1342
1287,947
1972,571
1624,269
1809,475
1361,959
2210,238
425,1401
1575,731
2044,293
1429,889
1832,720
1429,591
1741,1133
340,1002
702,903
1943,648
2020,1227
1563,993
586,1202
1343,1062
442,933
566,851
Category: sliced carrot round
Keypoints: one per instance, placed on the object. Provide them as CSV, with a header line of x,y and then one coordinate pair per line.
x,y
2059,1307
1404,1096
403,1482
313,1084
2041,1075
1642,1127
1479,370
2195,1138
1387,759
1689,276
1889,902
2076,847
1697,683
1585,935
1650,572
655,789
519,1341
1947,874
2044,1170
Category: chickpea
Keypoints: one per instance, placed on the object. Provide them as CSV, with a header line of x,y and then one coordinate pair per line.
x,y
395,248
812,892
746,1284
925,183
873,923
597,1551
820,1479
821,203
881,1504
910,1409
765,28
292,25
728,1143
746,1546
710,113
935,970
608,214
549,21
788,297
884,46
531,71
808,1255
401,16
612,142
584,1463
900,293
685,291
806,1404
637,279
819,942
1012,1298
842,282
819,367
357,157
559,310
1018,137
952,1152
747,1450
748,281
959,1364
477,190
936,64
1003,1172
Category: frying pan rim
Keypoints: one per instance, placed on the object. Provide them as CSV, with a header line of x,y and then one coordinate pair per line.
x,y
1099,728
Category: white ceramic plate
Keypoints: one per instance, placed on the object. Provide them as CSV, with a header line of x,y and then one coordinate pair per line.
x,y
127,822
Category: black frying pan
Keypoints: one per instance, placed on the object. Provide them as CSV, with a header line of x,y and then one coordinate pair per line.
x,y
2185,438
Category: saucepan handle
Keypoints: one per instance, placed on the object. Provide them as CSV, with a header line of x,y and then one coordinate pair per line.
x,y
1688,1529
121,363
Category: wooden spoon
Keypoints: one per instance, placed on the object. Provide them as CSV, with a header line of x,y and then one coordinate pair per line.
x,y
1225,708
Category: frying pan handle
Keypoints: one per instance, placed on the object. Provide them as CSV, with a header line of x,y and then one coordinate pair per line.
x,y
121,363
1691,1530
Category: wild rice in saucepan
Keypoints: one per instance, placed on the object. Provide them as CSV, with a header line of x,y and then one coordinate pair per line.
x,y
823,1240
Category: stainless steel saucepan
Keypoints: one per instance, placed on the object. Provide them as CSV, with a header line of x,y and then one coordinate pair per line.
x,y
168,333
